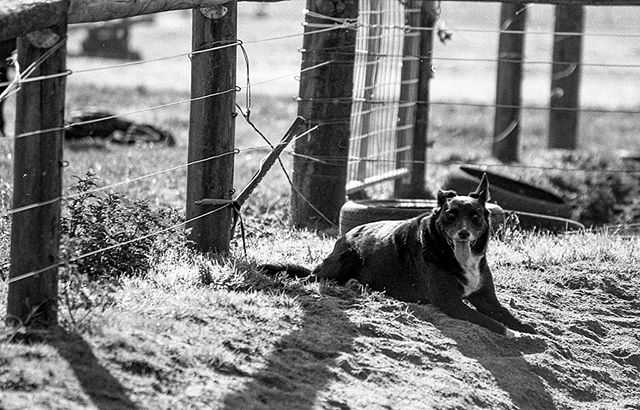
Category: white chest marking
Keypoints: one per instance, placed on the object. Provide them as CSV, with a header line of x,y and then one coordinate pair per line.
x,y
471,268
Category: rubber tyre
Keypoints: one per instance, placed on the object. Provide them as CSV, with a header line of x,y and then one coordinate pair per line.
x,y
356,213
508,193
545,223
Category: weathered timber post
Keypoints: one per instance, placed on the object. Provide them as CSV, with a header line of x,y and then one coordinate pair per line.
x,y
565,77
212,126
510,53
6,48
417,184
37,178
324,95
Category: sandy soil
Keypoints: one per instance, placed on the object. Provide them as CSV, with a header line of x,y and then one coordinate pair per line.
x,y
277,344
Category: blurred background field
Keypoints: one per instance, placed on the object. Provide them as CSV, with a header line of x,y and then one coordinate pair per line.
x,y
170,328
272,36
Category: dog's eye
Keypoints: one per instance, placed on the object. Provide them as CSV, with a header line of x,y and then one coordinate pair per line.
x,y
475,218
450,214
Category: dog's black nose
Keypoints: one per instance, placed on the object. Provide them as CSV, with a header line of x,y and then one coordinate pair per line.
x,y
464,234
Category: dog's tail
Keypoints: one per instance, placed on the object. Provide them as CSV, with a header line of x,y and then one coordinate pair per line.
x,y
291,270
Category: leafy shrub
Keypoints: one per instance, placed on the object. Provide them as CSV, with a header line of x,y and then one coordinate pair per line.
x,y
5,227
124,228
606,193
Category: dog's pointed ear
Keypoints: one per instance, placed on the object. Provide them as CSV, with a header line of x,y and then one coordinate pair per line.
x,y
444,195
482,192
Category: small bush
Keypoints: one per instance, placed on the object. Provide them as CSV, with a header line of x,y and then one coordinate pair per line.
x,y
606,192
121,232
5,228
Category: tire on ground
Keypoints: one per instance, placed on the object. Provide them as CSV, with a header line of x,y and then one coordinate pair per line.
x,y
356,213
545,223
508,193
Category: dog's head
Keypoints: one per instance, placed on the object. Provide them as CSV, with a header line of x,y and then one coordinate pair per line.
x,y
464,220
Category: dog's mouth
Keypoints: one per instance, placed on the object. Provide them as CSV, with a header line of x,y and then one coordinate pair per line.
x,y
454,242
461,248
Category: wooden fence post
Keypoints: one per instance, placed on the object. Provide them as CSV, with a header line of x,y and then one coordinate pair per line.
x,y
212,126
325,95
6,48
565,77
510,53
37,177
417,186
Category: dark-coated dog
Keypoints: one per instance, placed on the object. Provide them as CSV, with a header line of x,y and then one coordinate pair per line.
x,y
437,258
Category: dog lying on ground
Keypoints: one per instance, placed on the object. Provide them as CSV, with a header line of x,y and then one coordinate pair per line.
x,y
437,258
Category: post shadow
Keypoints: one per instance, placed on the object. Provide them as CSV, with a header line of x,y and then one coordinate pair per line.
x,y
104,390
502,357
300,366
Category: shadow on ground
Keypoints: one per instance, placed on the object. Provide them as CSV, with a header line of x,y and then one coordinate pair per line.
x,y
301,364
502,357
104,390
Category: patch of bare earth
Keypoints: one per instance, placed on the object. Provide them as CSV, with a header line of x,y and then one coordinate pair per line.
x,y
246,341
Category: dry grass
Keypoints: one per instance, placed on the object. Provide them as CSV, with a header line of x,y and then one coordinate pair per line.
x,y
203,332
212,333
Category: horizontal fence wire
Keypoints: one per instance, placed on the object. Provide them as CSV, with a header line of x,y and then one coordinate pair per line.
x,y
189,54
160,106
409,57
468,104
21,79
336,24
117,184
339,161
160,231
145,176
114,246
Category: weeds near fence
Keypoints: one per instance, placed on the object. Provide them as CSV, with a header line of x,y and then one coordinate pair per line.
x,y
600,197
99,220
5,227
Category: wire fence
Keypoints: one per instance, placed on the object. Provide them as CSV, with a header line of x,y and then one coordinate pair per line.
x,y
25,76
376,102
378,115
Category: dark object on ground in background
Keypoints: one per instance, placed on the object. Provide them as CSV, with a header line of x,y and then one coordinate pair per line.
x,y
546,223
509,193
356,213
116,130
6,49
437,258
110,40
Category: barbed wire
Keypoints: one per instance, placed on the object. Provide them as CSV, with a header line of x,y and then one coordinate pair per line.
x,y
169,57
96,120
114,246
527,31
532,107
402,103
247,116
339,161
155,233
21,77
405,27
114,185
409,57
24,77
356,23
159,106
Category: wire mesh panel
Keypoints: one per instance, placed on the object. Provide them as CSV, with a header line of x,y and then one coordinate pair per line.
x,y
385,92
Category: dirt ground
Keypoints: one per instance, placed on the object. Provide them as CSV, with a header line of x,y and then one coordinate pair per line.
x,y
246,341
